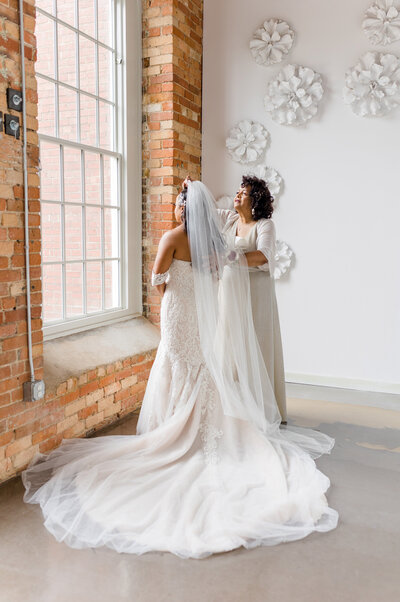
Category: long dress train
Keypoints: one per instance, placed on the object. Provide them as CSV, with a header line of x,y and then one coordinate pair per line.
x,y
193,481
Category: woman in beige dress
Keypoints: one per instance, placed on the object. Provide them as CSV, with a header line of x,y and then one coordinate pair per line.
x,y
251,225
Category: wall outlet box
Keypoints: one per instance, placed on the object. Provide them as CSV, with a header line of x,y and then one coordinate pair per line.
x,y
11,125
14,99
34,390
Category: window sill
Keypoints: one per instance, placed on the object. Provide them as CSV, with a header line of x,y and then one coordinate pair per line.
x,y
75,354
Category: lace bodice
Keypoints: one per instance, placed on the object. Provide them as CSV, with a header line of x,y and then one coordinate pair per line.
x,y
179,325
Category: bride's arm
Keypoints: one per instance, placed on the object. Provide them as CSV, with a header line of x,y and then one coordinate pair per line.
x,y
165,253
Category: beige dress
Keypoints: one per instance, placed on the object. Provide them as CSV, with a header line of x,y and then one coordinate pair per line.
x,y
263,299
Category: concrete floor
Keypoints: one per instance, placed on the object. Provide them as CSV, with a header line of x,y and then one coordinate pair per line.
x,y
357,562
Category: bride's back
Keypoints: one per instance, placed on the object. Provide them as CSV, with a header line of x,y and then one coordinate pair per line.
x,y
181,242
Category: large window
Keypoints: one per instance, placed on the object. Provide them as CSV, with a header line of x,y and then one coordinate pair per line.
x,y
80,73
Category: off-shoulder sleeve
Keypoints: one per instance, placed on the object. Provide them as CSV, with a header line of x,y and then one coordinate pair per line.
x,y
224,215
266,243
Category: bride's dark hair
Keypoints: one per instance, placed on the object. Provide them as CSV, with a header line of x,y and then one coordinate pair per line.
x,y
261,198
182,202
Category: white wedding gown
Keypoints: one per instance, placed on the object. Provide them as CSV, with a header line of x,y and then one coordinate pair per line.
x,y
193,481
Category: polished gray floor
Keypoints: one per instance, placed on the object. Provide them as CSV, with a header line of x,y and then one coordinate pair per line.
x,y
357,562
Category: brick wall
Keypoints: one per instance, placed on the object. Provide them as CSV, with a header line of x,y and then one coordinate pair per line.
x,y
172,67
171,148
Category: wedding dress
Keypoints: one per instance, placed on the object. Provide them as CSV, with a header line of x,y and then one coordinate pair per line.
x,y
196,479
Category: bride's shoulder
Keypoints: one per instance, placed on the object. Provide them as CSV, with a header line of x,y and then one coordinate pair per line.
x,y
174,234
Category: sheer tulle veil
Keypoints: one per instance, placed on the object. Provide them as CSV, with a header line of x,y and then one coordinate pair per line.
x,y
227,335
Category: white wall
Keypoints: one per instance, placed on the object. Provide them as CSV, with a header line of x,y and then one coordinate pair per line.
x,y
340,210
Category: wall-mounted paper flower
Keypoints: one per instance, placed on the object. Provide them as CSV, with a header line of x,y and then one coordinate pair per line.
x,y
247,141
271,177
293,95
225,202
271,42
372,87
382,22
283,259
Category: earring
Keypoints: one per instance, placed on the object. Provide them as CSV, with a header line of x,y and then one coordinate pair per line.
x,y
253,212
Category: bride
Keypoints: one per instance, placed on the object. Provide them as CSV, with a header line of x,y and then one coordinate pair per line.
x,y
210,469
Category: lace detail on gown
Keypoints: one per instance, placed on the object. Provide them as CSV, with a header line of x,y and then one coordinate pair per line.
x,y
181,344
209,433
179,329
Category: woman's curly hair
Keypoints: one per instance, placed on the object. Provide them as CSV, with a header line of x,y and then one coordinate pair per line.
x,y
261,198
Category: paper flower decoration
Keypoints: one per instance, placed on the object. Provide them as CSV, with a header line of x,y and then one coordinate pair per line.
x,y
283,259
271,177
225,202
382,22
293,96
271,42
247,141
372,86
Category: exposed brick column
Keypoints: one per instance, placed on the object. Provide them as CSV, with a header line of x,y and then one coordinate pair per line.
x,y
14,368
172,68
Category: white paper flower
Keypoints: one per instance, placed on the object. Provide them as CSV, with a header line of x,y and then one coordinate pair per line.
x,y
283,259
293,96
271,177
247,141
225,202
382,22
373,85
272,42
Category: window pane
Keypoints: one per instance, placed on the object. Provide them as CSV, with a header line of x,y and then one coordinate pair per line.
x,y
72,175
111,284
51,232
46,5
88,120
45,45
106,115
66,55
52,292
66,11
110,180
92,178
105,21
73,232
74,289
93,232
67,114
50,171
87,65
105,73
46,109
86,17
93,286
111,232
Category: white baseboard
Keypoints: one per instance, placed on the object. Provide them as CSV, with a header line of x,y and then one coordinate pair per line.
x,y
343,383
382,400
